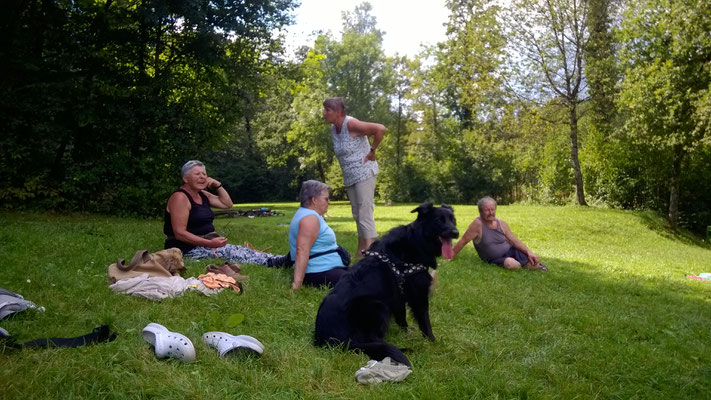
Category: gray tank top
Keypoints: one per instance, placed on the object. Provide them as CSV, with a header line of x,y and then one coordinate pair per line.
x,y
493,243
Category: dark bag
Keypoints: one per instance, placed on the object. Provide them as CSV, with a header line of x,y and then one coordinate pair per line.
x,y
345,255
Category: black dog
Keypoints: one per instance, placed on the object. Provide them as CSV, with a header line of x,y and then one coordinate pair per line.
x,y
393,272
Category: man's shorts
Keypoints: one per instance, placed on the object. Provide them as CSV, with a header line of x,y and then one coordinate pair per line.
x,y
361,196
514,253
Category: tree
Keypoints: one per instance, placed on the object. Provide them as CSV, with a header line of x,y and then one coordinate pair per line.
x,y
428,96
402,67
101,102
666,83
308,132
463,145
352,68
548,42
470,60
601,66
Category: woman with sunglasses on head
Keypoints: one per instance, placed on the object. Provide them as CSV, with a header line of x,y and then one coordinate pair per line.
x,y
188,221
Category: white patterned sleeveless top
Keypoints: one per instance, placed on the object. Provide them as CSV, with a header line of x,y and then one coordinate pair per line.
x,y
351,152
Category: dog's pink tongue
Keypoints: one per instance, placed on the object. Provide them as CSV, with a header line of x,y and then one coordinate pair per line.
x,y
447,249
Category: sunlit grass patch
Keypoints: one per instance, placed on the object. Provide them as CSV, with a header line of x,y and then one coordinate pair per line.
x,y
615,317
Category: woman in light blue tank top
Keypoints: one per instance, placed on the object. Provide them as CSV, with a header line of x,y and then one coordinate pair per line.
x,y
309,234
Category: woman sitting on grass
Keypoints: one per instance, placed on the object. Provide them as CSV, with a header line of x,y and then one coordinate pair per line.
x,y
188,221
309,234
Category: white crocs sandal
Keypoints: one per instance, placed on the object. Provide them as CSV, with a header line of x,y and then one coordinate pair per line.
x,y
225,343
169,344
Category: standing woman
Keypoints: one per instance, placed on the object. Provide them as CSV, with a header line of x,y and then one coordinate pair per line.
x,y
356,155
188,221
310,235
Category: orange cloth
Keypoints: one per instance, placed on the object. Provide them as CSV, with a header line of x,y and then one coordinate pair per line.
x,y
219,281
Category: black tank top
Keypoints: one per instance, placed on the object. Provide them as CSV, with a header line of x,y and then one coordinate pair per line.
x,y
199,222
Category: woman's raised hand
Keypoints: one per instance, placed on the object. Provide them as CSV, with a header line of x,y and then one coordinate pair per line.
x,y
212,183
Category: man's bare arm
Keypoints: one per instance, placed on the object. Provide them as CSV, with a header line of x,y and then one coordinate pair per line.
x,y
472,233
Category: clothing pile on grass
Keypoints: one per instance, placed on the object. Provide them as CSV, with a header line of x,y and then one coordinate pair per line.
x,y
166,344
156,276
11,303
704,276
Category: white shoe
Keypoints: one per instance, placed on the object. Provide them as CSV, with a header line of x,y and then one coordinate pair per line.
x,y
169,344
225,343
375,372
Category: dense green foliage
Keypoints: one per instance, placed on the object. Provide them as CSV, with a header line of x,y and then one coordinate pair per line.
x,y
549,38
101,102
587,101
615,317
665,92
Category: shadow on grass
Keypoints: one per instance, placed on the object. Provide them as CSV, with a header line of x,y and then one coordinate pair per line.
x,y
580,329
566,274
660,226
586,290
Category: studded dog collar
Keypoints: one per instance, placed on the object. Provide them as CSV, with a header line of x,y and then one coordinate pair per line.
x,y
410,269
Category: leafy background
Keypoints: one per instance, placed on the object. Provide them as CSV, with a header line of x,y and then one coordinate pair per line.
x,y
102,101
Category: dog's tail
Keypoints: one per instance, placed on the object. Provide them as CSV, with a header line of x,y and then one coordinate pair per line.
x,y
380,350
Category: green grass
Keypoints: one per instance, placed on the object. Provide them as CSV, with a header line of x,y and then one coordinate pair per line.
x,y
615,317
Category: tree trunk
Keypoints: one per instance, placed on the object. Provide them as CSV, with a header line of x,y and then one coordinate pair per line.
x,y
674,187
435,150
579,193
398,156
248,128
58,170
321,171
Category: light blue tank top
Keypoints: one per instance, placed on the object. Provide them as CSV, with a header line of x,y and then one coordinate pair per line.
x,y
325,241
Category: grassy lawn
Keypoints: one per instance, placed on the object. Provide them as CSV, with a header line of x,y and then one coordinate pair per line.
x,y
615,317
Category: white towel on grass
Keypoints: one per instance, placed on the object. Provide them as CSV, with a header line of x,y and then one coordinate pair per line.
x,y
159,288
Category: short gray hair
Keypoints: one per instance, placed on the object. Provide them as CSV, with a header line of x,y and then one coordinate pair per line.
x,y
310,189
484,200
335,103
190,165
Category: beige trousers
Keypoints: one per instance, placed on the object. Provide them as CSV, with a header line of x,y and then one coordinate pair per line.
x,y
361,196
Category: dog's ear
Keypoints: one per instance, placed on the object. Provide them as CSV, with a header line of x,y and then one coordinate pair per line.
x,y
447,206
423,208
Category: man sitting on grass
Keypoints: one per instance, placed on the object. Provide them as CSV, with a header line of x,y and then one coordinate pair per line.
x,y
494,241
